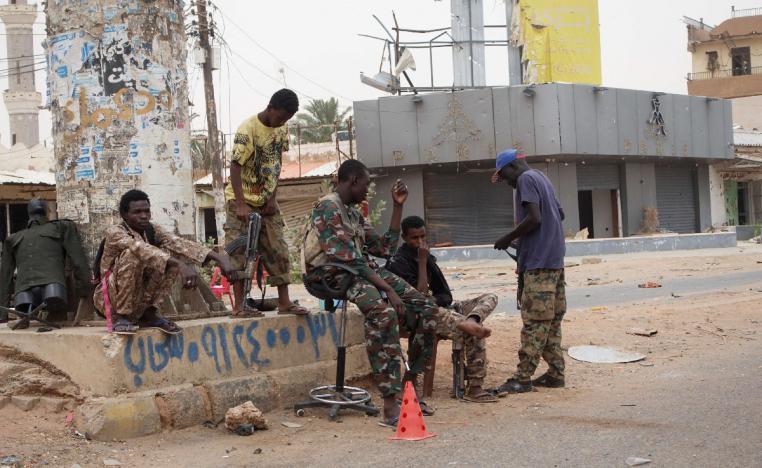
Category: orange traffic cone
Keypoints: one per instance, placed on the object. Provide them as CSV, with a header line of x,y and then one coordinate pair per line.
x,y
410,425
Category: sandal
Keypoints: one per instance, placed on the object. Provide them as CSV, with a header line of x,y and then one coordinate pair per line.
x,y
160,323
391,422
481,397
293,309
125,327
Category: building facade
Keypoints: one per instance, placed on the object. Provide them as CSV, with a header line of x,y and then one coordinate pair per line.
x,y
610,153
727,63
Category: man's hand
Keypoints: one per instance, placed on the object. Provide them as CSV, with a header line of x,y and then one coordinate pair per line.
x,y
242,211
396,302
399,192
503,243
270,208
423,252
495,178
188,273
224,262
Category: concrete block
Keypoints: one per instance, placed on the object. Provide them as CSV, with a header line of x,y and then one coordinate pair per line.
x,y
260,389
119,418
296,382
56,405
183,406
25,403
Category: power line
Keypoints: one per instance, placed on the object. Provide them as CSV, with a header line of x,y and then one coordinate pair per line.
x,y
245,33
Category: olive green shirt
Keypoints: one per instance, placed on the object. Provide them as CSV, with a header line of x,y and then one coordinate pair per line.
x,y
38,255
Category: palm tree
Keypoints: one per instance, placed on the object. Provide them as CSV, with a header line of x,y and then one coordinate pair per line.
x,y
320,112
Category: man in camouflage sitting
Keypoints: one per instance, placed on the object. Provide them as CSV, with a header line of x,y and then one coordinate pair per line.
x,y
337,233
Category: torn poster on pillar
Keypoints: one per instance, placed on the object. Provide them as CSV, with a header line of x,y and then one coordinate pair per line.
x,y
85,165
73,205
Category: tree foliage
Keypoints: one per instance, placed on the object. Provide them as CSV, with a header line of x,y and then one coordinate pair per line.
x,y
318,119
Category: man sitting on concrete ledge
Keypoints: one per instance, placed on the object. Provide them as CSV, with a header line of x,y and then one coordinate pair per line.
x,y
338,233
459,320
139,262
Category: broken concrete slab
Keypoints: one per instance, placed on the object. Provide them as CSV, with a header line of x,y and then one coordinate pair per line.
x,y
119,418
25,403
183,406
260,389
56,405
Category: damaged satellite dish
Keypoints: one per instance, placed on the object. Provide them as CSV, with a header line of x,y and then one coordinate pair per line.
x,y
603,355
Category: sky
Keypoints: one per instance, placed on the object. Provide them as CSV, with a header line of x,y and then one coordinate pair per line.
x,y
317,47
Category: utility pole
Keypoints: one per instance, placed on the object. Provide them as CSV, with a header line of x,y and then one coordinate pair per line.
x,y
213,140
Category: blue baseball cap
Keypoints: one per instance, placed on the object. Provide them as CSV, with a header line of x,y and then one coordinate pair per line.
x,y
506,157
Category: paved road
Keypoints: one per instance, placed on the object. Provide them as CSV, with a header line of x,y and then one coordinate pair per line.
x,y
627,292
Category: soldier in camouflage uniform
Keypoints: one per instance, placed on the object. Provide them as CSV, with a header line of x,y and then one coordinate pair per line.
x,y
338,233
139,262
541,262
456,320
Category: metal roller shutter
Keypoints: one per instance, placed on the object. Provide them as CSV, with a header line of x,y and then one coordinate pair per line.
x,y
466,208
597,177
676,198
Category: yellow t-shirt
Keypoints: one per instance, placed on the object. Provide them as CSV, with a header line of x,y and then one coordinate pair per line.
x,y
258,149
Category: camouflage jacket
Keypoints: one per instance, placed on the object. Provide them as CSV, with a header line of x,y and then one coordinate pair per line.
x,y
338,233
120,237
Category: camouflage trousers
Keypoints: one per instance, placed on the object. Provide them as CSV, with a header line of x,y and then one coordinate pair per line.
x,y
382,325
475,349
272,245
133,287
543,305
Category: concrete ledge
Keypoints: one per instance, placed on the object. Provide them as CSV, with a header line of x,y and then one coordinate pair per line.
x,y
104,365
144,413
744,233
581,248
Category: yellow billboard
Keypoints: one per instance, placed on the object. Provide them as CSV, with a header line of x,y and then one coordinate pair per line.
x,y
560,39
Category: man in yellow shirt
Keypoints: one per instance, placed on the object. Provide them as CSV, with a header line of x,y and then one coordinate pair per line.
x,y
254,171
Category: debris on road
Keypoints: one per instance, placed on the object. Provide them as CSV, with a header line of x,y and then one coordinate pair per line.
x,y
649,285
602,355
10,461
244,414
600,309
112,462
291,425
592,260
637,461
642,331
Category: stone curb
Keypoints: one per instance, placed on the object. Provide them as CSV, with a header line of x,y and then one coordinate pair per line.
x,y
144,413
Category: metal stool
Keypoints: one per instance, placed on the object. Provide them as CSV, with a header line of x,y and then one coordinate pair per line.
x,y
337,396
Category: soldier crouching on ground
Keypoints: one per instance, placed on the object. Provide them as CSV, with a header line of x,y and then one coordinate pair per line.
x,y
456,320
337,233
139,262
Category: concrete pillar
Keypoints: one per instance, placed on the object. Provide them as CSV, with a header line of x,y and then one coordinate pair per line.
x,y
21,98
719,215
638,192
119,102
756,201
564,179
704,197
468,57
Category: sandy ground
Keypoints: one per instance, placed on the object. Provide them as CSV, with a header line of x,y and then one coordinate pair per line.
x,y
696,400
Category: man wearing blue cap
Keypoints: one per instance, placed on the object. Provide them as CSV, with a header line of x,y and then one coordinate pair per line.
x,y
541,250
